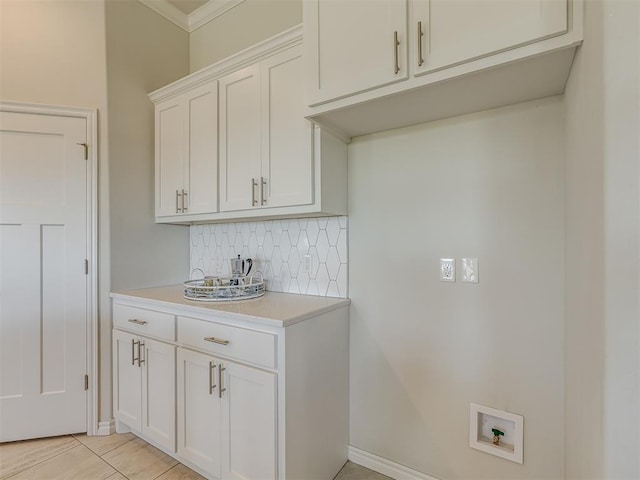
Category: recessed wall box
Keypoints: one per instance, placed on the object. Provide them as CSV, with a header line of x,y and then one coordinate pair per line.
x,y
486,423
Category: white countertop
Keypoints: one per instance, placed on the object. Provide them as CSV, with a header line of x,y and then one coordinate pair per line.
x,y
273,308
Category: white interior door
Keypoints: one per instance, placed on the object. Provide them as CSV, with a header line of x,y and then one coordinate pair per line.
x,y
43,283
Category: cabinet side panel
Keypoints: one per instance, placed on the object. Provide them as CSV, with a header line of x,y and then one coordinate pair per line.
x,y
331,152
317,392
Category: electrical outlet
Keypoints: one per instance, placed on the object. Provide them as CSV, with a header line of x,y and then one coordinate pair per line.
x,y
307,263
447,270
470,270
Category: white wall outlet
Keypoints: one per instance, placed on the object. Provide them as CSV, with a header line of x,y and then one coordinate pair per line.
x,y
470,270
447,270
307,263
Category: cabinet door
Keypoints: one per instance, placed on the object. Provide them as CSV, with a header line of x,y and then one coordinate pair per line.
x,y
199,411
351,46
127,378
170,156
286,140
463,30
249,432
158,392
240,145
202,147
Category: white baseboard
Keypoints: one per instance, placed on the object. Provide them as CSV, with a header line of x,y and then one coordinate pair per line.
x,y
384,466
106,428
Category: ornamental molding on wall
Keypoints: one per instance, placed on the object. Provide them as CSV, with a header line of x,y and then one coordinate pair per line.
x,y
196,19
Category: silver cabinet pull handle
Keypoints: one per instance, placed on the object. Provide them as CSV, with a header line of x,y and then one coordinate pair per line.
x,y
133,350
420,35
216,340
137,322
254,185
220,389
184,201
396,43
212,386
178,195
263,188
140,351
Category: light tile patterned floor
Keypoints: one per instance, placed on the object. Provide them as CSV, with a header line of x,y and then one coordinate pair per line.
x,y
115,457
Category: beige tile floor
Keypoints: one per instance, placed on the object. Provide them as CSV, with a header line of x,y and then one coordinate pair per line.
x,y
116,457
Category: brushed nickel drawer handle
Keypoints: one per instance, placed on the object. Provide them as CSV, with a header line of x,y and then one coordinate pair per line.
x,y
216,340
140,351
133,350
254,186
420,35
137,322
212,386
396,44
220,389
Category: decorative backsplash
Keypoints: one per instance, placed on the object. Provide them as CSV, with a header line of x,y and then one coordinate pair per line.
x,y
278,249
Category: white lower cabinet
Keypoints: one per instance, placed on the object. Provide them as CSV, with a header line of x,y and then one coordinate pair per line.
x,y
236,397
144,387
199,411
227,417
248,422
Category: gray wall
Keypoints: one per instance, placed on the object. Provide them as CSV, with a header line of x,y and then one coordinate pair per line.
x,y
144,52
241,27
105,56
603,246
486,185
53,52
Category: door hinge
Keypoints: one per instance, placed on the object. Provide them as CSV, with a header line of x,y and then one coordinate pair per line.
x,y
86,266
86,382
86,150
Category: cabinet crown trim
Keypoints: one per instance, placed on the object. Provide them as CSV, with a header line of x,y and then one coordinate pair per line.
x,y
271,46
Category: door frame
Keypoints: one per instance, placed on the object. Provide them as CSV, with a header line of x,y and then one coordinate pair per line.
x,y
91,117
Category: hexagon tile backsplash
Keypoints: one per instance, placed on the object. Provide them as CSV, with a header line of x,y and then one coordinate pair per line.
x,y
277,248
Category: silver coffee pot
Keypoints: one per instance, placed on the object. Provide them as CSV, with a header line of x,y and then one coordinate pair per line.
x,y
240,267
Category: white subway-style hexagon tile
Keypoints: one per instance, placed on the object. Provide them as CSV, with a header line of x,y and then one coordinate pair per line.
x,y
277,248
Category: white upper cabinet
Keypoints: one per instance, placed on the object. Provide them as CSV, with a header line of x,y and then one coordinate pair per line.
x,y
187,152
287,154
273,162
374,66
266,155
355,46
240,139
447,33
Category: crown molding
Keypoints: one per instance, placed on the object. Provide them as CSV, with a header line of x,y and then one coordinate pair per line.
x,y
210,10
196,19
168,11
271,46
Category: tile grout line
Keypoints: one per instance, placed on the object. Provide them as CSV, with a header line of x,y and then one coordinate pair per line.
x,y
110,450
46,459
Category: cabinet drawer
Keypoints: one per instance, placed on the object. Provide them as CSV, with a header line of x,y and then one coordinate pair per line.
x,y
246,345
145,322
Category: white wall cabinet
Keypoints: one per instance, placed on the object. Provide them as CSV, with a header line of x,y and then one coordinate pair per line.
x,y
186,151
144,387
361,56
444,33
266,155
273,161
355,46
260,387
